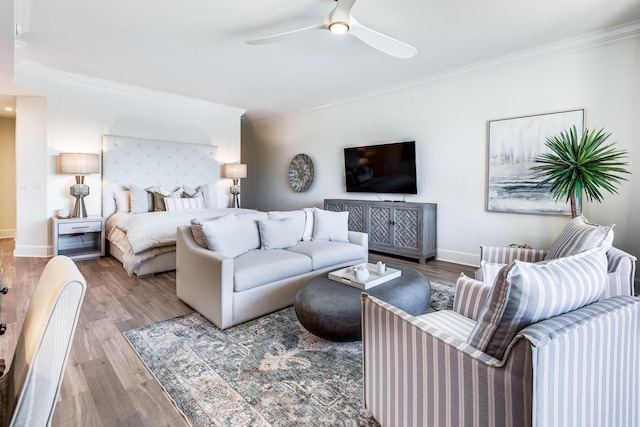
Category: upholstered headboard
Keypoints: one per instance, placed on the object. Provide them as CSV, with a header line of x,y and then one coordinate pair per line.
x,y
148,162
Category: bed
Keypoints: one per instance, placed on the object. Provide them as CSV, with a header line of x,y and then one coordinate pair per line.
x,y
137,175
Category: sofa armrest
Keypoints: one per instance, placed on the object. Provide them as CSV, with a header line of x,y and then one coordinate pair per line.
x,y
418,375
470,296
361,239
621,272
204,279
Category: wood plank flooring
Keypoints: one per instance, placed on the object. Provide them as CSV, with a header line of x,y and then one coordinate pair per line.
x,y
105,383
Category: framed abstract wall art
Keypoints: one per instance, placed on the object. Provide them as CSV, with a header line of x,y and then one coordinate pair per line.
x,y
513,145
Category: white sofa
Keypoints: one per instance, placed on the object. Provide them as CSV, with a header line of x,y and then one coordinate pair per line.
x,y
245,266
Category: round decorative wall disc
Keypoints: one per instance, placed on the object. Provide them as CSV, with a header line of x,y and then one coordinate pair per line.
x,y
301,172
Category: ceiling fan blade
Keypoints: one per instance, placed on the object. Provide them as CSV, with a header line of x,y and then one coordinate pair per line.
x,y
379,41
289,34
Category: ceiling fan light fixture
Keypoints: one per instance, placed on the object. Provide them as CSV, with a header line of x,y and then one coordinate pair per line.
x,y
339,27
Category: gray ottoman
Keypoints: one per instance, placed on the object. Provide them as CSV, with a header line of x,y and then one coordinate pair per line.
x,y
332,310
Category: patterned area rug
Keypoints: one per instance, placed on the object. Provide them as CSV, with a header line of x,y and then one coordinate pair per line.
x,y
266,372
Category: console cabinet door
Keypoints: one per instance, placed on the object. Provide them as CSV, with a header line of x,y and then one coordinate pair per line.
x,y
357,212
407,228
380,223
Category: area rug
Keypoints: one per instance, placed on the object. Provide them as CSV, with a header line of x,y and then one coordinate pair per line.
x,y
266,372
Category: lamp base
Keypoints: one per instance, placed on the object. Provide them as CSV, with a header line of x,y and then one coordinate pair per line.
x,y
235,191
79,210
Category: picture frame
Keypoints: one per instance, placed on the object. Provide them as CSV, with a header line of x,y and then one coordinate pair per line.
x,y
513,144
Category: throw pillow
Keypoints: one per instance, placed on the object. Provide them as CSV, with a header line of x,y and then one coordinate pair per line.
x,y
175,204
249,225
490,270
222,236
278,233
526,293
307,234
297,225
206,190
160,194
328,225
196,230
580,235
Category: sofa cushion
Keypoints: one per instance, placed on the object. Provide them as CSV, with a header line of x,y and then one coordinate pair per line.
x,y
580,235
223,236
332,226
526,293
297,224
490,271
278,233
324,253
249,227
258,267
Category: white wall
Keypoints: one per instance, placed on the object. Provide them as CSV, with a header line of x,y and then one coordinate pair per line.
x,y
448,120
78,111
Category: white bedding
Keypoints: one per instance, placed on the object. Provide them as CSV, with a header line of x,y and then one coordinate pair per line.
x,y
145,235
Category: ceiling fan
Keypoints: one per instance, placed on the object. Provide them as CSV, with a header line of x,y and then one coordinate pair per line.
x,y
340,21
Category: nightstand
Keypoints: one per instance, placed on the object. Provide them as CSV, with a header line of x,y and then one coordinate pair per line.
x,y
78,238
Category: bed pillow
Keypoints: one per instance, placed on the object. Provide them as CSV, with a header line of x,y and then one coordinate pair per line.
x,y
580,235
122,199
222,236
525,293
175,204
278,233
298,223
160,194
328,225
208,192
140,199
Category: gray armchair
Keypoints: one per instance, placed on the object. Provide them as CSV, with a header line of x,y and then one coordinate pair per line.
x,y
576,368
30,388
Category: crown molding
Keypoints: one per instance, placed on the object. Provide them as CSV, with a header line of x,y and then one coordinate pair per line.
x,y
51,74
563,47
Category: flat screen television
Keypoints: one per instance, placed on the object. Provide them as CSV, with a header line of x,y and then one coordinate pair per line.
x,y
385,168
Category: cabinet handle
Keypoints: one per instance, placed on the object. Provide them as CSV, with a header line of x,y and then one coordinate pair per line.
x,y
76,228
392,222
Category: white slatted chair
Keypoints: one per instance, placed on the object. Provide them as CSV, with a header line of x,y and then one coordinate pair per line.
x,y
30,388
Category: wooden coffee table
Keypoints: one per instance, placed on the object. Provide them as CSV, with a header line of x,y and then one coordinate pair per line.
x,y
332,310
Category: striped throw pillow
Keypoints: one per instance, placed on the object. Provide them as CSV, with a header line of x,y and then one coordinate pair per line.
x,y
526,293
174,204
581,235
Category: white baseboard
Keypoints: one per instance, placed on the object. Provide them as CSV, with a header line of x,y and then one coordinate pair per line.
x,y
32,251
457,257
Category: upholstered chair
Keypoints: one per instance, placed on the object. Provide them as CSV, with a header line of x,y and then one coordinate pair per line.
x,y
538,347
30,388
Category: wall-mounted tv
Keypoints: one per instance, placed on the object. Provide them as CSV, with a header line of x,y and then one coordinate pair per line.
x,y
385,168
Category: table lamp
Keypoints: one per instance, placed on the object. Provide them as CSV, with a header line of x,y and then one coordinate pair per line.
x,y
235,171
79,164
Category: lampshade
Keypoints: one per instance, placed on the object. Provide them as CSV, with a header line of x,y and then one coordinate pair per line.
x,y
234,170
79,163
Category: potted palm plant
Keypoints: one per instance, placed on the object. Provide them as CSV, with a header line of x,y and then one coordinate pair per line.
x,y
580,165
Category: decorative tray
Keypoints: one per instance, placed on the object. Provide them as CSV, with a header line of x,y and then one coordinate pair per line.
x,y
348,277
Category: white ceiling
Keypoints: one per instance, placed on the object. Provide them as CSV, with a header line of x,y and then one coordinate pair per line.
x,y
197,48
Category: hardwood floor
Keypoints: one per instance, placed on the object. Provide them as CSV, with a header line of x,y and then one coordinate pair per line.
x,y
105,384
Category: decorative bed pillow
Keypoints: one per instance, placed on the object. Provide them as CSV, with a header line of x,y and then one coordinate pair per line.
x,y
278,233
526,293
140,199
160,195
328,225
222,236
122,197
490,270
580,235
175,204
298,223
208,192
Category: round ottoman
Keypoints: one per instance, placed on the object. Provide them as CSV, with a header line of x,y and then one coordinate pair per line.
x,y
332,310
